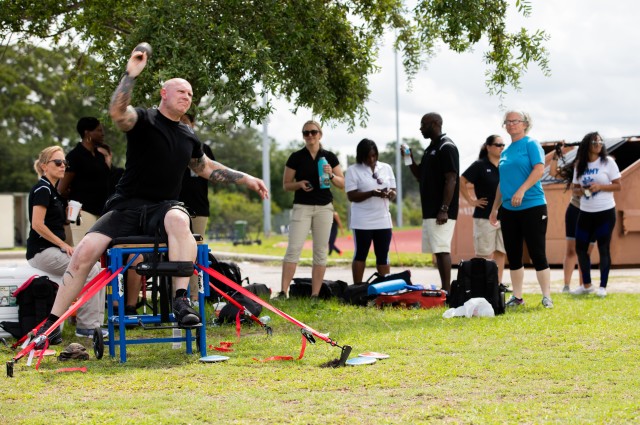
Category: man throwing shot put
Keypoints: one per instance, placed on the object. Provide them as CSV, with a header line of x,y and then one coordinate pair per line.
x,y
159,147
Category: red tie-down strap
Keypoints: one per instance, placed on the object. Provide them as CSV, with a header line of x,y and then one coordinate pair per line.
x,y
95,286
222,346
307,331
82,369
303,347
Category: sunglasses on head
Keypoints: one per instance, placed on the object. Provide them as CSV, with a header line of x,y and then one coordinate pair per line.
x,y
375,176
307,133
60,162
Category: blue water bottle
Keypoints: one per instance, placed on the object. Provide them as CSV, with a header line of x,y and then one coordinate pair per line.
x,y
324,177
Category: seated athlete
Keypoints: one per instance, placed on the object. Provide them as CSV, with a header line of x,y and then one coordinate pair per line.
x,y
159,148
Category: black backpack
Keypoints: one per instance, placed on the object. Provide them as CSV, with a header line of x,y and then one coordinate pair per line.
x,y
477,278
35,299
229,312
227,269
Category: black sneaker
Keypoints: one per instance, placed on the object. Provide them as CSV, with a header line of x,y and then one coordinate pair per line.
x,y
185,315
55,337
130,310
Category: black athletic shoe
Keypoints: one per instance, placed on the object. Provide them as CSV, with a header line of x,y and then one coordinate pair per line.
x,y
55,337
130,310
186,316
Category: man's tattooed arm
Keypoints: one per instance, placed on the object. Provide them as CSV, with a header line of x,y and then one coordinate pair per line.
x,y
225,175
198,165
219,172
122,113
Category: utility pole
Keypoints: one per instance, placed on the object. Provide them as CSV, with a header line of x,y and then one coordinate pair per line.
x,y
266,173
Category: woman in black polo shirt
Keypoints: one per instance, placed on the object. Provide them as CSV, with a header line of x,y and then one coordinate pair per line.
x,y
484,175
47,249
312,205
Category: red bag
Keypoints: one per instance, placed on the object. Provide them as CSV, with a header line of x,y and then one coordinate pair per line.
x,y
413,299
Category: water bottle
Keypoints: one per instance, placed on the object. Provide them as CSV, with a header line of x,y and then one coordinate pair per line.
x,y
177,333
406,153
265,320
324,177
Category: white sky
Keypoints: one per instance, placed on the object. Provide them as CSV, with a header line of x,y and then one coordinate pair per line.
x,y
595,85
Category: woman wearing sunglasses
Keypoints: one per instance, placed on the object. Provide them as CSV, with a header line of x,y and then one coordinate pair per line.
x,y
312,205
370,186
595,179
47,249
484,175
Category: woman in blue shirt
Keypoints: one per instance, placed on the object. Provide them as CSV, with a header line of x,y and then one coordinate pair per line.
x,y
523,207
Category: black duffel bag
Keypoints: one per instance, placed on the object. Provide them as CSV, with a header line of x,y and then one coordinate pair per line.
x,y
301,287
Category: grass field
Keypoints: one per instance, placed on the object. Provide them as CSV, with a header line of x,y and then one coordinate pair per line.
x,y
574,364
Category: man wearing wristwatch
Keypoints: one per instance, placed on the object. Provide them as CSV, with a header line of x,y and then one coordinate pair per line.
x,y
439,176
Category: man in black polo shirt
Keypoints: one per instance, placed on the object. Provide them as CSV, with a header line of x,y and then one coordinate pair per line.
x,y
159,148
438,175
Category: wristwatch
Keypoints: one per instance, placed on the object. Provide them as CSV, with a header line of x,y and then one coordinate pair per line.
x,y
331,176
444,208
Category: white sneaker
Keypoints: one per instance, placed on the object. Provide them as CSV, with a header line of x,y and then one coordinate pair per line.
x,y
602,292
581,290
88,333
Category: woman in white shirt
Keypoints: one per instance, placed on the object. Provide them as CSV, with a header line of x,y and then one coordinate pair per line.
x,y
595,179
370,186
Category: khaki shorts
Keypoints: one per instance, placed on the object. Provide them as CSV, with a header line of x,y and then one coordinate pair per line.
x,y
305,218
436,238
487,238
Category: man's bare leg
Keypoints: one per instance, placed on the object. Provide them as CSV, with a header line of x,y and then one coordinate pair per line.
x,y
182,247
87,252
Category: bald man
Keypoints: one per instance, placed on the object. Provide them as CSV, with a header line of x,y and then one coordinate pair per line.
x,y
159,148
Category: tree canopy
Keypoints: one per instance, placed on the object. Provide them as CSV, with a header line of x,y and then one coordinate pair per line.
x,y
316,54
40,103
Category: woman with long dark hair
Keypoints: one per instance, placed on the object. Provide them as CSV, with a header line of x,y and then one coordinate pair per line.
x,y
485,177
565,173
595,179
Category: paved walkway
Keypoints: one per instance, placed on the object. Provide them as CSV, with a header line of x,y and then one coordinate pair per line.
x,y
255,267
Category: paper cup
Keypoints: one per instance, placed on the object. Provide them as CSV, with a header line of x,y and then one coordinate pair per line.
x,y
73,210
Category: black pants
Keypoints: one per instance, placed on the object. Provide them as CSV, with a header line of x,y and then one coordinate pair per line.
x,y
599,226
528,226
333,235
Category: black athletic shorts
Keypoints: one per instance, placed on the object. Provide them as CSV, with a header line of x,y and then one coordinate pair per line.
x,y
131,220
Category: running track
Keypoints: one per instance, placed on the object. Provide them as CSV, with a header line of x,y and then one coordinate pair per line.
x,y
403,241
